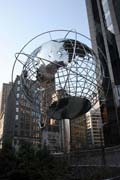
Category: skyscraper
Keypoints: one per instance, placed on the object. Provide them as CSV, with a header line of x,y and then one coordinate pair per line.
x,y
104,23
5,92
3,99
21,120
78,133
94,128
22,115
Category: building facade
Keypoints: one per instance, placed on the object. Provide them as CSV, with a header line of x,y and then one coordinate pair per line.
x,y
94,129
5,92
22,119
78,136
104,17
4,95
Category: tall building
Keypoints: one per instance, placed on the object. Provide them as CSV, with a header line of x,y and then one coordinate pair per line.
x,y
22,115
3,99
94,127
104,24
5,92
0,98
1,128
78,134
21,119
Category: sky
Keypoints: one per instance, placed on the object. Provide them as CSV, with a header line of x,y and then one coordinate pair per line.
x,y
21,20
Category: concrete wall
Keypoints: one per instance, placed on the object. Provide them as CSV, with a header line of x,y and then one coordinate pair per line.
x,y
108,156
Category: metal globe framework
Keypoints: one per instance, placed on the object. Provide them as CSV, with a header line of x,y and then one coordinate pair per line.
x,y
62,72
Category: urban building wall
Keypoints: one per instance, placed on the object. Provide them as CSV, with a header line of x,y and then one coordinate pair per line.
x,y
105,34
78,133
5,92
1,128
22,119
94,128
20,122
6,87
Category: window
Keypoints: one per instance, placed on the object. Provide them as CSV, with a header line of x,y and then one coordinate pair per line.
x,y
16,125
17,95
104,1
108,21
16,117
18,82
17,109
106,7
17,102
18,88
111,28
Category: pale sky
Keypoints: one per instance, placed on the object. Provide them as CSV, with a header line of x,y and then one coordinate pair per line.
x,y
21,20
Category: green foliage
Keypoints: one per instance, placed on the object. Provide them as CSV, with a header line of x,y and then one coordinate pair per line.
x,y
38,164
26,152
30,164
7,159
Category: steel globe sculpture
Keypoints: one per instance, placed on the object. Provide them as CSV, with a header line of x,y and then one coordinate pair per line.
x,y
63,73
